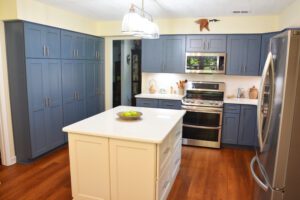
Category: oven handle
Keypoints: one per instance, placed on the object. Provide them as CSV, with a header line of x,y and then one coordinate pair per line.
x,y
213,111
202,127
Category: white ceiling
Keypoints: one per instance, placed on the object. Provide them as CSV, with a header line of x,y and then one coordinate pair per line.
x,y
115,9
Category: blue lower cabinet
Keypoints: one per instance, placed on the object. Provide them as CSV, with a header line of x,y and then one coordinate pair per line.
x,y
230,129
239,125
248,125
170,104
149,103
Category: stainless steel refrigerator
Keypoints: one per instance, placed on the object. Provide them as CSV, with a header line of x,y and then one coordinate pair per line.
x,y
276,166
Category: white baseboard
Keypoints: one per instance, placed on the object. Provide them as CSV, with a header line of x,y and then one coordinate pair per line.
x,y
13,160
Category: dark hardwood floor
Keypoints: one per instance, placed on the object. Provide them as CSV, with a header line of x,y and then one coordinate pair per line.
x,y
205,174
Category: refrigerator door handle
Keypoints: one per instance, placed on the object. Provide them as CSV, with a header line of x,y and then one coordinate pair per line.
x,y
269,64
257,180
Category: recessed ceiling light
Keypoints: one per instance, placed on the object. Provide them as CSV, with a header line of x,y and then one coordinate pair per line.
x,y
240,12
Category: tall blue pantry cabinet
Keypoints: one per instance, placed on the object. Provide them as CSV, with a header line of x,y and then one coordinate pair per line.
x,y
51,84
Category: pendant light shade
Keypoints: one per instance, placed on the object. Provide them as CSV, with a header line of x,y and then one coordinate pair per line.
x,y
139,24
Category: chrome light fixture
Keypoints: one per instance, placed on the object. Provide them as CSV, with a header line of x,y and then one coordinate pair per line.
x,y
139,23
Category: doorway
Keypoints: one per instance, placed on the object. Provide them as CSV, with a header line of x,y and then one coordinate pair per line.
x,y
126,72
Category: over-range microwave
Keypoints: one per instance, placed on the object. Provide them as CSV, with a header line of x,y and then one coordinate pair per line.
x,y
205,63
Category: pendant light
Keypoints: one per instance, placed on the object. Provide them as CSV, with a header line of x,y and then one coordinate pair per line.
x,y
139,23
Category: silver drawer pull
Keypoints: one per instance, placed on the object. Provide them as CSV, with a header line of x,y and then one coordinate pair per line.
x,y
166,184
177,161
178,133
167,150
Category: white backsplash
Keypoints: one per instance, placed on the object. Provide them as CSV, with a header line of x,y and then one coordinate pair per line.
x,y
165,81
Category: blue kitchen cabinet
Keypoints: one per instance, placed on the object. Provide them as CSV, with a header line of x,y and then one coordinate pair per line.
x,y
100,49
93,90
173,54
230,129
90,48
149,103
72,45
243,55
206,43
265,44
248,125
45,105
164,55
73,81
41,41
169,104
152,55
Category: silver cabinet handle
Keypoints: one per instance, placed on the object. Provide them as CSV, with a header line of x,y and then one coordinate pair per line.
x,y
44,50
257,180
74,53
78,95
77,53
47,51
208,45
96,54
75,95
166,184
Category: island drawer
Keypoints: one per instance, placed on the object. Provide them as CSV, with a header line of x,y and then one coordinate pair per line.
x,y
164,153
164,183
170,104
149,103
176,160
176,134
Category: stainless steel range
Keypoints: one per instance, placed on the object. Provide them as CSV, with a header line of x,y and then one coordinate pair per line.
x,y
202,123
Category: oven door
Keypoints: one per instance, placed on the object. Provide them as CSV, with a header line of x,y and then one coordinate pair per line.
x,y
202,126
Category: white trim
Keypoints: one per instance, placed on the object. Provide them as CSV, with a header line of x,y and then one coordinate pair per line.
x,y
6,154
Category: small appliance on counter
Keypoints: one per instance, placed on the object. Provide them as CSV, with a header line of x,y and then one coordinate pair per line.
x,y
202,123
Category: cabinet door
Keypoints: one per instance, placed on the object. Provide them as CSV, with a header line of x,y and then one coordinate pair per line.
x,y
90,47
36,103
68,89
133,170
99,43
52,37
54,114
89,160
252,55
170,104
35,40
152,55
215,43
79,82
230,128
265,43
247,129
67,44
101,80
92,88
174,54
235,55
79,41
195,43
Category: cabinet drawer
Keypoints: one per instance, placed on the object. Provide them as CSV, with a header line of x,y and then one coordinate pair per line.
x,y
164,153
170,104
232,108
164,183
176,160
149,103
176,135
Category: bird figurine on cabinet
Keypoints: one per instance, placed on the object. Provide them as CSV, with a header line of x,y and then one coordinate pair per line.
x,y
204,23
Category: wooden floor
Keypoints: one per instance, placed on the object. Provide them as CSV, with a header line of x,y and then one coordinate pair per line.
x,y
205,174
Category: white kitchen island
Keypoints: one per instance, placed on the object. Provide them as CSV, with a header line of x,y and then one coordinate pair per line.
x,y
112,159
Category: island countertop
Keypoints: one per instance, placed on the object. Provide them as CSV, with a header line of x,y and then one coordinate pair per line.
x,y
154,125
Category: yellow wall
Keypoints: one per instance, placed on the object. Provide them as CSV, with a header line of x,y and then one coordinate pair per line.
x,y
290,17
8,9
242,24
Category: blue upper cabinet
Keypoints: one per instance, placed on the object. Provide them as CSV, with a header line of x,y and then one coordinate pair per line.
x,y
206,43
166,54
248,125
265,44
90,47
99,43
72,45
41,41
243,54
174,54
152,55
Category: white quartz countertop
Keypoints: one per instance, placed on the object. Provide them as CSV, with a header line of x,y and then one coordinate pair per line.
x,y
160,96
154,125
241,101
